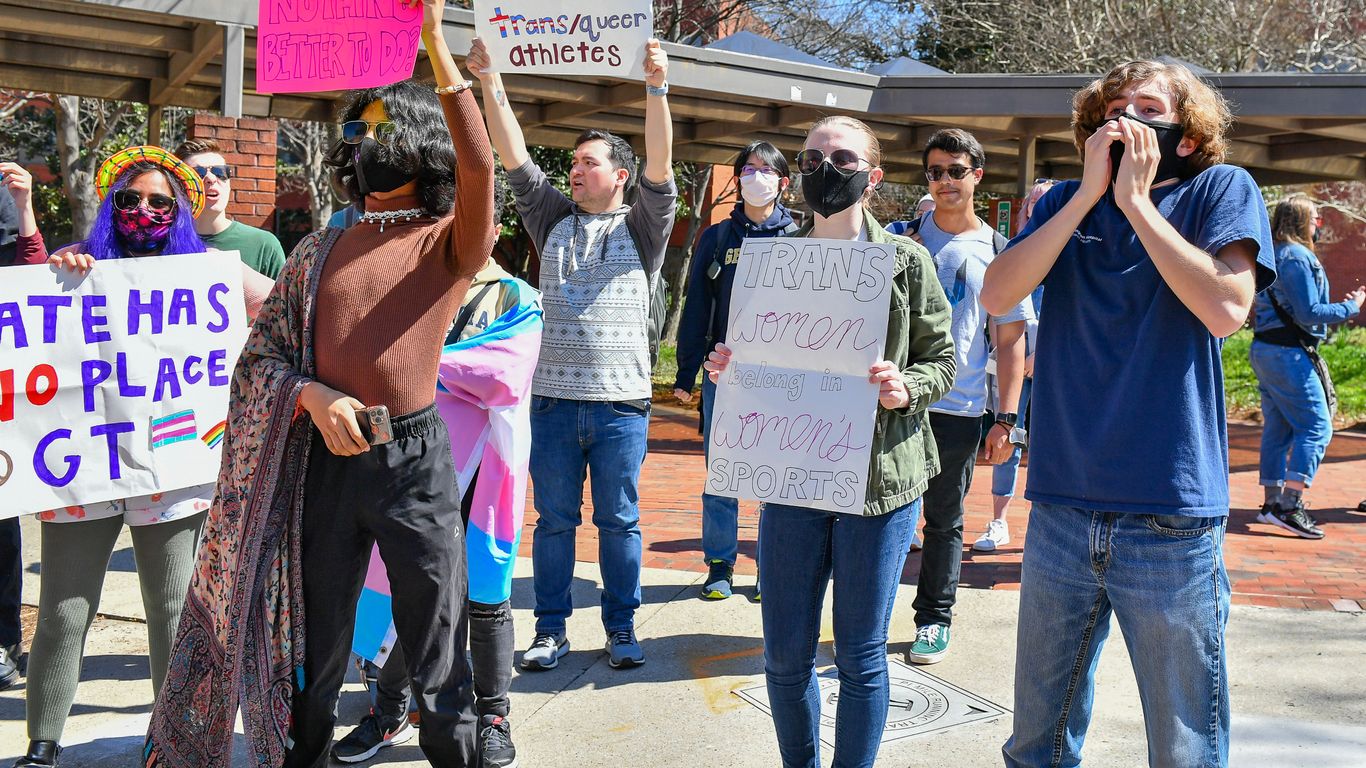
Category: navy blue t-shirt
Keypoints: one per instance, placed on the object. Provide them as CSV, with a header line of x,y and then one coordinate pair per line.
x,y
1127,410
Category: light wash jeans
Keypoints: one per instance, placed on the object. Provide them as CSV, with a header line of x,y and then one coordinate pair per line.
x,y
1296,426
570,441
803,549
1163,578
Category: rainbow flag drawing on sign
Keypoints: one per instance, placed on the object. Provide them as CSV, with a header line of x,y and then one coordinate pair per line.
x,y
173,429
215,434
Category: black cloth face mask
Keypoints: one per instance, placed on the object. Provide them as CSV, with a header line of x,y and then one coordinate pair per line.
x,y
374,174
828,190
1169,137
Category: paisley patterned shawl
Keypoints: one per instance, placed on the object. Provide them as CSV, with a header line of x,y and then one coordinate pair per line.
x,y
241,635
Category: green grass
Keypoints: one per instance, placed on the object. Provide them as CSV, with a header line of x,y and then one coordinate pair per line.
x,y
1346,357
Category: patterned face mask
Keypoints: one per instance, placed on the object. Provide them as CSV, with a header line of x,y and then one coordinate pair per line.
x,y
143,231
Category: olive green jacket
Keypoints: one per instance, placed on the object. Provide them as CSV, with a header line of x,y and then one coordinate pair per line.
x,y
904,457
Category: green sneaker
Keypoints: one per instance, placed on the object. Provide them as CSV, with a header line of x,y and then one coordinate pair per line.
x,y
931,643
720,576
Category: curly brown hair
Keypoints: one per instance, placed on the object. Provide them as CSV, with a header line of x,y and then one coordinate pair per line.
x,y
1203,112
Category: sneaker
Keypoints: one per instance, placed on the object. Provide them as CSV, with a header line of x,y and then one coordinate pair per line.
x,y
997,535
41,754
916,543
931,643
9,666
1264,516
623,650
1296,521
495,743
758,595
719,577
545,652
373,734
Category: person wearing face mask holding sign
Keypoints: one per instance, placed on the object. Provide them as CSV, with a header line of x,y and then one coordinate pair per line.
x,y
762,176
1149,262
334,444
862,551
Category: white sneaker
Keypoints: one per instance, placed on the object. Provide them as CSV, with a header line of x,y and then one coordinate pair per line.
x,y
997,535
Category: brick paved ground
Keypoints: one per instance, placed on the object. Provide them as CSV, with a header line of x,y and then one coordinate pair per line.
x,y
1266,565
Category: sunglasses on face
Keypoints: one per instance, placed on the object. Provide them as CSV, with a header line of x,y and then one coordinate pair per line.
x,y
220,172
127,200
955,172
845,160
353,131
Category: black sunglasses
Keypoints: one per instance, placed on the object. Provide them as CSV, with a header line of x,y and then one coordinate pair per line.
x,y
220,172
127,200
956,172
353,131
844,160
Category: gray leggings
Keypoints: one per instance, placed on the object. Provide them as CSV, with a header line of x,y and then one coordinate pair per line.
x,y
74,560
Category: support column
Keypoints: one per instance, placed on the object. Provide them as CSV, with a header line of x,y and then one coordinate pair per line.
x,y
234,64
1028,144
154,115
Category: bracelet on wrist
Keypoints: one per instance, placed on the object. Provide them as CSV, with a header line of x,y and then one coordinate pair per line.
x,y
657,90
454,88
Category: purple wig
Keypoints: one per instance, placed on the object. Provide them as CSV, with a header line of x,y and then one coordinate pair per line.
x,y
104,241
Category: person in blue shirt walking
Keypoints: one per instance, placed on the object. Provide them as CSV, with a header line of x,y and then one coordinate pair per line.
x,y
1289,320
1148,263
762,174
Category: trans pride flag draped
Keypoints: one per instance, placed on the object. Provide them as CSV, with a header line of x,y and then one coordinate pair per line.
x,y
484,394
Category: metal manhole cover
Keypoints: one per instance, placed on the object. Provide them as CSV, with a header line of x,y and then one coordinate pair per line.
x,y
920,703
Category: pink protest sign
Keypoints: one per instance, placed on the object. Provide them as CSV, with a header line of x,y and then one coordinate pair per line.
x,y
306,46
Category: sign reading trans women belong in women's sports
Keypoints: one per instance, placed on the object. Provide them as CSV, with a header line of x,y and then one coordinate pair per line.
x,y
307,46
564,37
115,384
794,413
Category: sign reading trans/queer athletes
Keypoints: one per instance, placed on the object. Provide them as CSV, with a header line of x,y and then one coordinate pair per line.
x,y
307,46
561,37
794,413
115,384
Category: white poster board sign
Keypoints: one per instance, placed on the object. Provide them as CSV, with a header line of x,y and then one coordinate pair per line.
x,y
558,37
115,384
794,413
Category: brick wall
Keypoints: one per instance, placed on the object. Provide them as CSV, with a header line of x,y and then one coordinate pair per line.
x,y
248,145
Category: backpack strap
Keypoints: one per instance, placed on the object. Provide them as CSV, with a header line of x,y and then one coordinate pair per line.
x,y
466,313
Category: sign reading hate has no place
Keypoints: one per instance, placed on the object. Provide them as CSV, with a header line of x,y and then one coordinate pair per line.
x,y
562,37
308,46
794,414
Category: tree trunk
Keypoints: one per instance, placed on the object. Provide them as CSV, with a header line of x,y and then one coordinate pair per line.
x,y
676,263
319,175
78,180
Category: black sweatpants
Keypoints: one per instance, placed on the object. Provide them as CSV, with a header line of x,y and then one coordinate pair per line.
x,y
11,580
401,496
941,560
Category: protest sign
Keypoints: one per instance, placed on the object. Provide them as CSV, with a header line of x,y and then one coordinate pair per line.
x,y
306,46
115,384
794,413
560,37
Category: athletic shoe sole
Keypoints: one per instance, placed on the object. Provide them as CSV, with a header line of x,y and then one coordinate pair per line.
x,y
989,546
554,661
9,680
715,594
926,658
1276,521
625,663
395,738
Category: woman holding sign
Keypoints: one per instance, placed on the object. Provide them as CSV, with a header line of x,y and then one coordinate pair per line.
x,y
148,203
864,553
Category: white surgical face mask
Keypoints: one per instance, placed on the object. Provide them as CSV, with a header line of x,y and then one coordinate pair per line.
x,y
759,189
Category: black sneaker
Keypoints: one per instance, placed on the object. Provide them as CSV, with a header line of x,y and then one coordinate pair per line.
x,y
41,754
720,578
373,734
495,743
9,666
1296,521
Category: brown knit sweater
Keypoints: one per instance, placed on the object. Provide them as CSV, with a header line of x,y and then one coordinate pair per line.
x,y
386,299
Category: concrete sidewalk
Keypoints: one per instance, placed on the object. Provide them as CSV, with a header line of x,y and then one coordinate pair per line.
x,y
1297,683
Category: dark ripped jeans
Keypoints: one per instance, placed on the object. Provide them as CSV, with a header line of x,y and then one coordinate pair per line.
x,y
491,650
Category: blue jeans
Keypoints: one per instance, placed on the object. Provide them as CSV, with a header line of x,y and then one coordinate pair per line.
x,y
1163,578
571,440
1003,475
802,549
1296,426
720,514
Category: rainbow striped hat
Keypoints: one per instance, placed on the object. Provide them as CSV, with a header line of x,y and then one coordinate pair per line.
x,y
116,164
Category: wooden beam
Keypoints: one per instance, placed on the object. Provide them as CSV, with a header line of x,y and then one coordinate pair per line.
x,y
77,59
58,23
28,78
183,65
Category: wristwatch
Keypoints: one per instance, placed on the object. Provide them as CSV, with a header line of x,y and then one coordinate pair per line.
x,y
1008,420
657,90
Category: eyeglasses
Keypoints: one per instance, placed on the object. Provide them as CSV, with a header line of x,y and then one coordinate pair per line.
x,y
353,131
955,172
750,170
220,172
847,160
127,200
